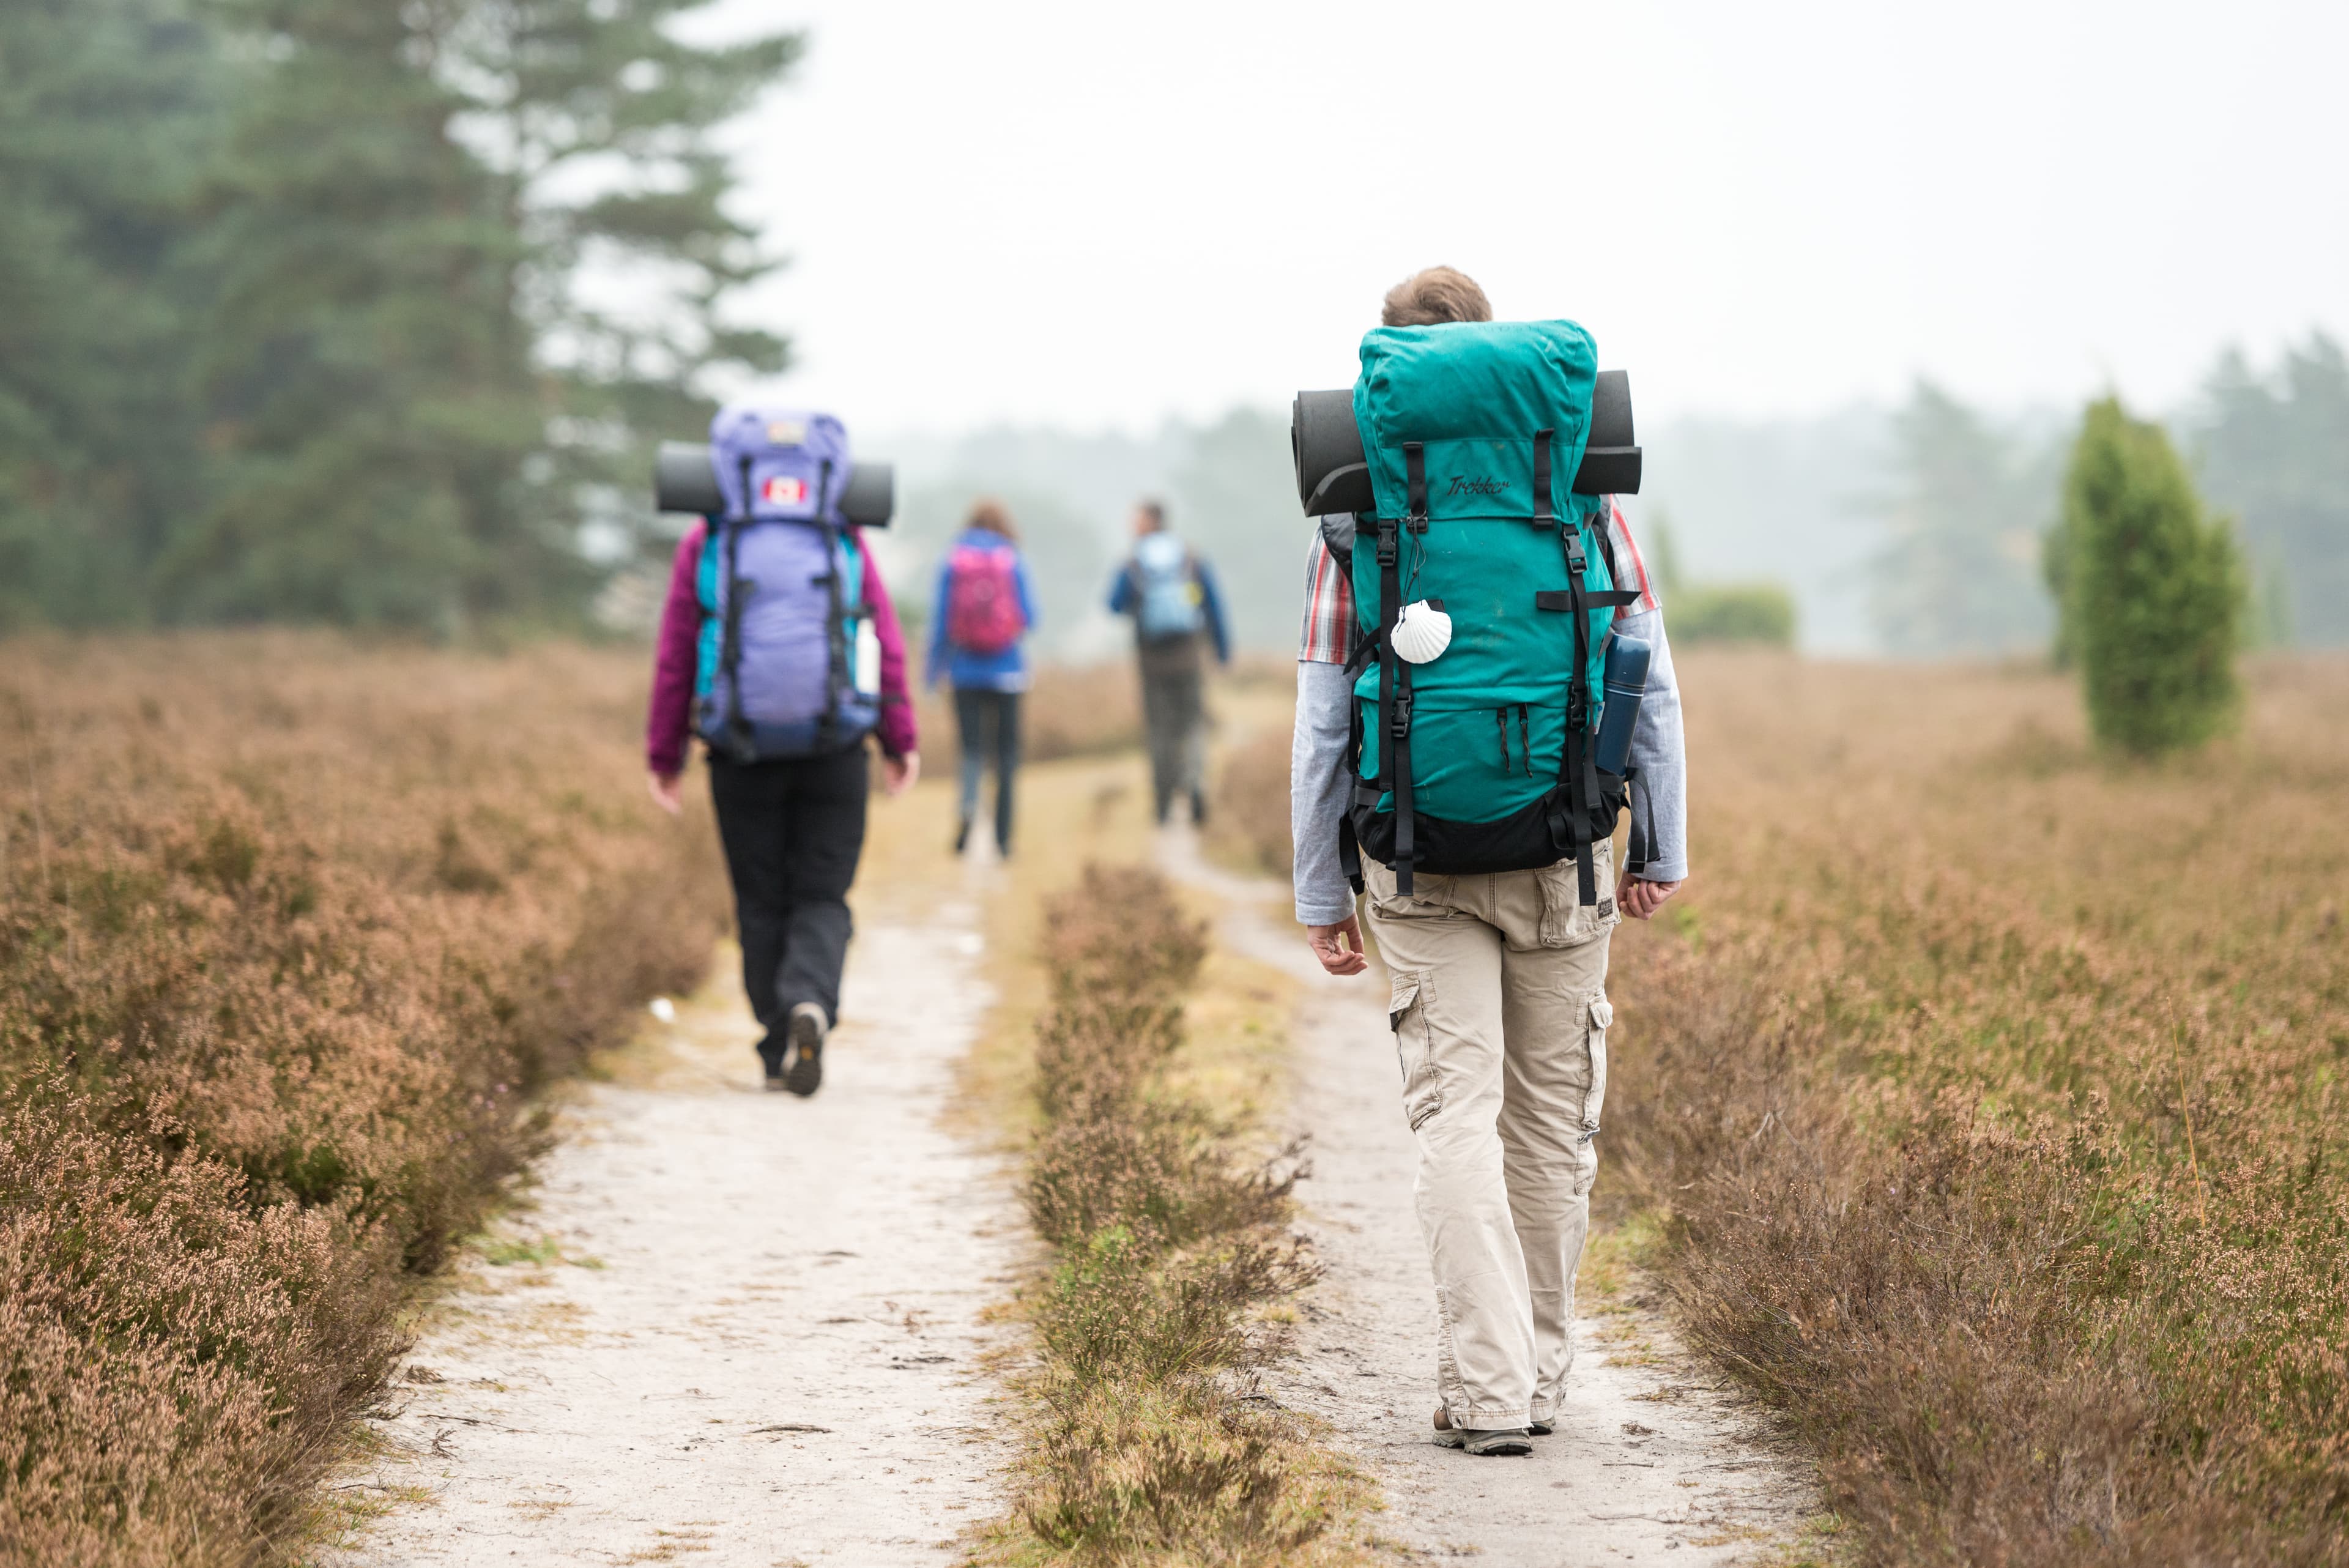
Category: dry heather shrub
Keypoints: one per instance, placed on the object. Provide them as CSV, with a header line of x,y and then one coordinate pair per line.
x,y
1170,1245
1121,932
1252,801
1119,953
289,932
1182,1474
1993,1097
1123,1311
1161,1171
1082,712
1069,710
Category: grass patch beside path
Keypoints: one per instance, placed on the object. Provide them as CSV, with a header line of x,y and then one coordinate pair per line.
x,y
1172,1265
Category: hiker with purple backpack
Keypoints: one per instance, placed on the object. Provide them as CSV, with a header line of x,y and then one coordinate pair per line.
x,y
779,648
986,605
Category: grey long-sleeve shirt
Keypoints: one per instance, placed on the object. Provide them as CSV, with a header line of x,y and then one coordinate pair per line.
x,y
1321,780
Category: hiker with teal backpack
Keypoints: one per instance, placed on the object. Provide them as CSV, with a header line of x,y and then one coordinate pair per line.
x,y
985,606
1462,635
1171,594
779,649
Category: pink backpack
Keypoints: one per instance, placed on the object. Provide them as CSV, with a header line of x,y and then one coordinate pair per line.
x,y
983,613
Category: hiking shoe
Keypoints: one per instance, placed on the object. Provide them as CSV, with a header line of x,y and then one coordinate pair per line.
x,y
962,836
1542,1429
1483,1445
770,1058
805,1073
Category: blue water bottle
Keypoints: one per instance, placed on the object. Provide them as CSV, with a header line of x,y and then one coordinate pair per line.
x,y
1627,683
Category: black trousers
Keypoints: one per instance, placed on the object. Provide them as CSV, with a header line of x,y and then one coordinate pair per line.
x,y
792,831
988,723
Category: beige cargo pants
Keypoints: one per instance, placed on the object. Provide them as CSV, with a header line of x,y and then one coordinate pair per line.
x,y
1500,1018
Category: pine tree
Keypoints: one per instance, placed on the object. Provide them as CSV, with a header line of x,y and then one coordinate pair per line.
x,y
415,405
567,87
2275,451
1956,574
2155,591
107,110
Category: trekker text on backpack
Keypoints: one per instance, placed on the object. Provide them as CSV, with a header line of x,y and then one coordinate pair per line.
x,y
1169,590
785,669
983,613
1485,593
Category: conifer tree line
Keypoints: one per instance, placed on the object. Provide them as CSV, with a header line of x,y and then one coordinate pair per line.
x,y
1970,500
291,316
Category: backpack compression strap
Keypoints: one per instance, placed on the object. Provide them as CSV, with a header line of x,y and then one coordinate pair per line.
x,y
1577,769
1394,674
836,676
730,655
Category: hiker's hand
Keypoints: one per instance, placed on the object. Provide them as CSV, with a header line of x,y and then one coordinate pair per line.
x,y
1640,897
667,792
1339,947
898,773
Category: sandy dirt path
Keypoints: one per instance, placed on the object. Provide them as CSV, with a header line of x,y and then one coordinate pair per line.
x,y
1654,1460
759,1342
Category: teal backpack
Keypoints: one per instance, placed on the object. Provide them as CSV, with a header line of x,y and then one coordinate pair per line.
x,y
1477,756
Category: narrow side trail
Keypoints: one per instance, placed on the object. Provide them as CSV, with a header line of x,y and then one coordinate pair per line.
x,y
740,1328
1654,1458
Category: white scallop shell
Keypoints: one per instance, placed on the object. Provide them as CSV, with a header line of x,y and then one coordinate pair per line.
x,y
1422,632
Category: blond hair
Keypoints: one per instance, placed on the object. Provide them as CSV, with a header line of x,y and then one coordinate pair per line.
x,y
1437,294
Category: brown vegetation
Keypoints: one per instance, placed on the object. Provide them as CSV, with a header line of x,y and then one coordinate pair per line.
x,y
1990,1096
1071,710
289,933
1250,824
1169,1247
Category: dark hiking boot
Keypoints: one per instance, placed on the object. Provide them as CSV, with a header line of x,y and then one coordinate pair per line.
x,y
805,1075
962,836
1542,1429
770,1058
1483,1445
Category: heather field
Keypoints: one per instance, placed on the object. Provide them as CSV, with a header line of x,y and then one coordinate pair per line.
x,y
290,932
1977,1106
1988,1099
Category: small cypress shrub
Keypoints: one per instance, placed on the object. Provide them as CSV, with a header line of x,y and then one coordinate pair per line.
x,y
2153,589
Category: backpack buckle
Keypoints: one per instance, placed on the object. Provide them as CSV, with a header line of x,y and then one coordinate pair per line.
x,y
1400,727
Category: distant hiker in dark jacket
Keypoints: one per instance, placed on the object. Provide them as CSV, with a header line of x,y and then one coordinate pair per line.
x,y
1171,595
986,607
785,704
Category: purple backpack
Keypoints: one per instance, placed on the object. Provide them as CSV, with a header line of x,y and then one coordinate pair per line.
x,y
781,587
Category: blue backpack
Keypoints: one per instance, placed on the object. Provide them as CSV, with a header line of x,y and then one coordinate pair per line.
x,y
781,587
1168,589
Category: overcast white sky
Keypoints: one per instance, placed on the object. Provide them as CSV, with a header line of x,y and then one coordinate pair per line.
x,y
1097,214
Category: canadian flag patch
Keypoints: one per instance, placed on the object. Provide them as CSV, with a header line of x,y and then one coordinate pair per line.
x,y
782,490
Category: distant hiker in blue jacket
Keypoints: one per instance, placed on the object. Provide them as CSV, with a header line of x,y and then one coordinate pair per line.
x,y
1171,594
985,606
